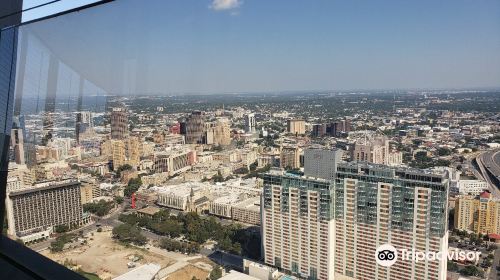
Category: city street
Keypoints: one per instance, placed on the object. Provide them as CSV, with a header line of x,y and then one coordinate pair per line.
x,y
109,221
494,274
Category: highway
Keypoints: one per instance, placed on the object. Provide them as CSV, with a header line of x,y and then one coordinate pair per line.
x,y
488,165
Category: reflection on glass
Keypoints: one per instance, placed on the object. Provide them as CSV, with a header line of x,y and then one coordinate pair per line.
x,y
180,138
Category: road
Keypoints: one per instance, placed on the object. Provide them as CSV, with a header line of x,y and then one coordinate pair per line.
x,y
488,163
227,260
493,272
107,221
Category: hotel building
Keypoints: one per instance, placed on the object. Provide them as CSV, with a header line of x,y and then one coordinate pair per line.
x,y
376,205
319,229
297,226
480,214
119,123
296,126
35,209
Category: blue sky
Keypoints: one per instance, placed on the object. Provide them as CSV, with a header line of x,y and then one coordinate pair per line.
x,y
259,45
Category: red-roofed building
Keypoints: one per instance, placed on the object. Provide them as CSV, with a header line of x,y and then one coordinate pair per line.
x,y
494,237
485,194
480,214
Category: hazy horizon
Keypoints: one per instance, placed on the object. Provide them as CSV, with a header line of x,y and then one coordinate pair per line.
x,y
210,47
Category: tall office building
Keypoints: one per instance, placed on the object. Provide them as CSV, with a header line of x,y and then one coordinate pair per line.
x,y
172,162
371,149
250,123
119,123
35,209
297,225
376,205
334,129
296,126
218,132
194,128
122,152
376,149
331,229
480,214
321,163
290,157
17,144
319,130
84,122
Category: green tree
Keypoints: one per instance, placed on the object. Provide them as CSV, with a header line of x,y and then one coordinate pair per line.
x,y
58,244
215,274
122,168
443,151
129,234
118,199
253,166
452,266
242,170
471,270
61,228
100,208
132,187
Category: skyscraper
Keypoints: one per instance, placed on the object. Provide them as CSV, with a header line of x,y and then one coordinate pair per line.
x,y
194,128
296,126
17,144
122,152
84,121
331,229
376,205
375,149
298,229
218,132
119,123
250,123
290,157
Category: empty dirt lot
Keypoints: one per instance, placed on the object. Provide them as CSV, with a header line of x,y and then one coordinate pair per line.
x,y
105,257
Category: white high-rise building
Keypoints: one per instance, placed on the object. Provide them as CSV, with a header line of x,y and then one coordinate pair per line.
x,y
250,123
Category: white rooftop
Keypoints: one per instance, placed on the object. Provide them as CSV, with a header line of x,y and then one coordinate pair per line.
x,y
235,275
144,272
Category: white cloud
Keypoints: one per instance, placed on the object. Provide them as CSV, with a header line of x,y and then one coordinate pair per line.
x,y
221,5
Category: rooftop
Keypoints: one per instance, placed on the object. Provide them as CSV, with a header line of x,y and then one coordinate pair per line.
x,y
235,275
144,272
46,186
150,210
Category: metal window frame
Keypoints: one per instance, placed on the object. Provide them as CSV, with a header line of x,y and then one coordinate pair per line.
x,y
16,260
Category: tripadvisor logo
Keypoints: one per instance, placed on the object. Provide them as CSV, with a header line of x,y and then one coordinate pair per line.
x,y
386,255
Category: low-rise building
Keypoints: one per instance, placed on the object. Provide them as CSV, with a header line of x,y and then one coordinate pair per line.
x,y
247,211
89,190
148,211
472,187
